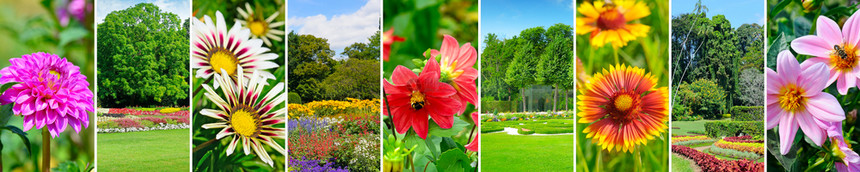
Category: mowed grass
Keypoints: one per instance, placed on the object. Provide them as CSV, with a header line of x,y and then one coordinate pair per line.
x,y
503,152
159,150
680,164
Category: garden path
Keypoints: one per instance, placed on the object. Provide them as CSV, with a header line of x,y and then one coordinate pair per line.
x,y
693,165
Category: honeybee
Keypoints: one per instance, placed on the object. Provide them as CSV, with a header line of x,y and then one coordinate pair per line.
x,y
841,52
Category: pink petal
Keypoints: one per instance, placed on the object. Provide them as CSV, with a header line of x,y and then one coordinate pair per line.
x,y
828,30
825,107
851,29
814,79
787,66
402,75
773,115
808,126
774,81
812,45
787,130
845,83
421,127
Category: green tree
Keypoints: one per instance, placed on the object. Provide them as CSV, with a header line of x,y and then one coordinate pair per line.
x,y
354,78
366,51
554,62
310,62
143,58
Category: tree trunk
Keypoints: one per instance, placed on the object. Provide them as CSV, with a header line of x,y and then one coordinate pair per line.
x,y
554,97
523,95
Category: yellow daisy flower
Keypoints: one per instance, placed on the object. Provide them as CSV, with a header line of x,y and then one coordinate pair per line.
x,y
609,22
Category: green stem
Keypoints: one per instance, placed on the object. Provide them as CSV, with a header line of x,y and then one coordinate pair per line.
x,y
638,155
598,161
46,150
204,145
615,54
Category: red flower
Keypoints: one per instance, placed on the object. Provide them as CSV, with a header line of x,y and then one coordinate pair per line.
x,y
457,68
387,39
473,146
413,98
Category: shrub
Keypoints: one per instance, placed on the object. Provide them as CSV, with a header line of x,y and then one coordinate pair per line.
x,y
681,112
718,129
727,116
553,130
525,131
294,98
703,97
748,113
490,129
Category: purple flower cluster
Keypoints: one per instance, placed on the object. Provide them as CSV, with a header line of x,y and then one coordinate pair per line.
x,y
306,124
74,8
305,165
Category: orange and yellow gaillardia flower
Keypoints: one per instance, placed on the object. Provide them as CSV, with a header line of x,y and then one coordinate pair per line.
x,y
609,22
624,107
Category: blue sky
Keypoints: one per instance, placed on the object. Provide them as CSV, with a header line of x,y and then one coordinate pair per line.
x,y
507,18
342,22
737,11
178,7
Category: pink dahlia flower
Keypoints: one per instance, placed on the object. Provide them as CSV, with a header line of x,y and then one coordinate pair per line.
x,y
850,159
457,68
836,48
794,99
51,92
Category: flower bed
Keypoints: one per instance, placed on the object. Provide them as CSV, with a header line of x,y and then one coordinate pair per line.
x,y
676,139
742,139
142,119
346,142
731,153
710,163
757,148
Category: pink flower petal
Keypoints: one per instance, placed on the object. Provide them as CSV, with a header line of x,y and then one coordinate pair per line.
x,y
809,128
773,115
851,29
812,45
825,107
787,130
814,79
774,81
828,30
844,83
788,67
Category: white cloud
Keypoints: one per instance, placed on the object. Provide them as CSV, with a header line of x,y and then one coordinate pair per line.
x,y
341,30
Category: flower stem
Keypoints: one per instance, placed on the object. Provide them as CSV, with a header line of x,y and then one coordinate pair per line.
x,y
615,53
204,145
390,117
638,155
471,134
46,150
598,161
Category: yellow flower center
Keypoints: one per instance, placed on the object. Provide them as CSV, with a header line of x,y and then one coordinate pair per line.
x,y
623,102
791,98
258,28
843,57
417,100
220,58
244,122
611,19
55,73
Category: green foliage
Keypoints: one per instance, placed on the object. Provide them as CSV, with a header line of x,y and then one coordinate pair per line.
x,y
704,97
143,58
717,129
734,153
525,131
681,112
499,106
294,98
354,78
364,51
748,113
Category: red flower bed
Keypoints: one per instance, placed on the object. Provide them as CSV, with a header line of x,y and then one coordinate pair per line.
x,y
678,136
710,163
154,120
127,123
742,139
129,111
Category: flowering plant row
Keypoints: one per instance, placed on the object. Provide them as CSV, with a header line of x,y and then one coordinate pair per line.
x,y
734,153
757,148
334,143
327,108
709,163
743,139
693,142
162,112
676,139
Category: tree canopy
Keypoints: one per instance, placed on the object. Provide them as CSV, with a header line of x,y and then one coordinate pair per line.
x,y
143,58
316,75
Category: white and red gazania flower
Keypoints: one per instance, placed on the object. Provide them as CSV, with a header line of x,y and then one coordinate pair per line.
x,y
836,48
215,48
247,114
413,98
457,68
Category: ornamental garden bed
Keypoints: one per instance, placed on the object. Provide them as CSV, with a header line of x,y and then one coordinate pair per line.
x,y
120,120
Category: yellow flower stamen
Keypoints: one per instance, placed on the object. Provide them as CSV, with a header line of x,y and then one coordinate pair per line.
x,y
623,102
843,57
791,98
258,28
220,58
244,123
417,100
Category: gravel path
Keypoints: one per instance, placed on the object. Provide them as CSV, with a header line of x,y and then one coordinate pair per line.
x,y
693,164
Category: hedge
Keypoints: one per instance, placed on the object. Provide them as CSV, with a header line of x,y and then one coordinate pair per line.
x,y
523,132
748,113
499,106
717,129
294,98
490,129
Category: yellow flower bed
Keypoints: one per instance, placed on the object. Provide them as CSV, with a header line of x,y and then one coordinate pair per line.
x,y
757,148
169,110
688,138
334,108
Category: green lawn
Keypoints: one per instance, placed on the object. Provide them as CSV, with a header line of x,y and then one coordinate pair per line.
x,y
157,150
503,152
680,164
686,126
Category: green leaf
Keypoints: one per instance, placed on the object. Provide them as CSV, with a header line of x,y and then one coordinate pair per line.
x,y
458,126
6,113
787,160
776,46
781,5
433,145
453,160
21,134
448,144
6,86
72,34
203,159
